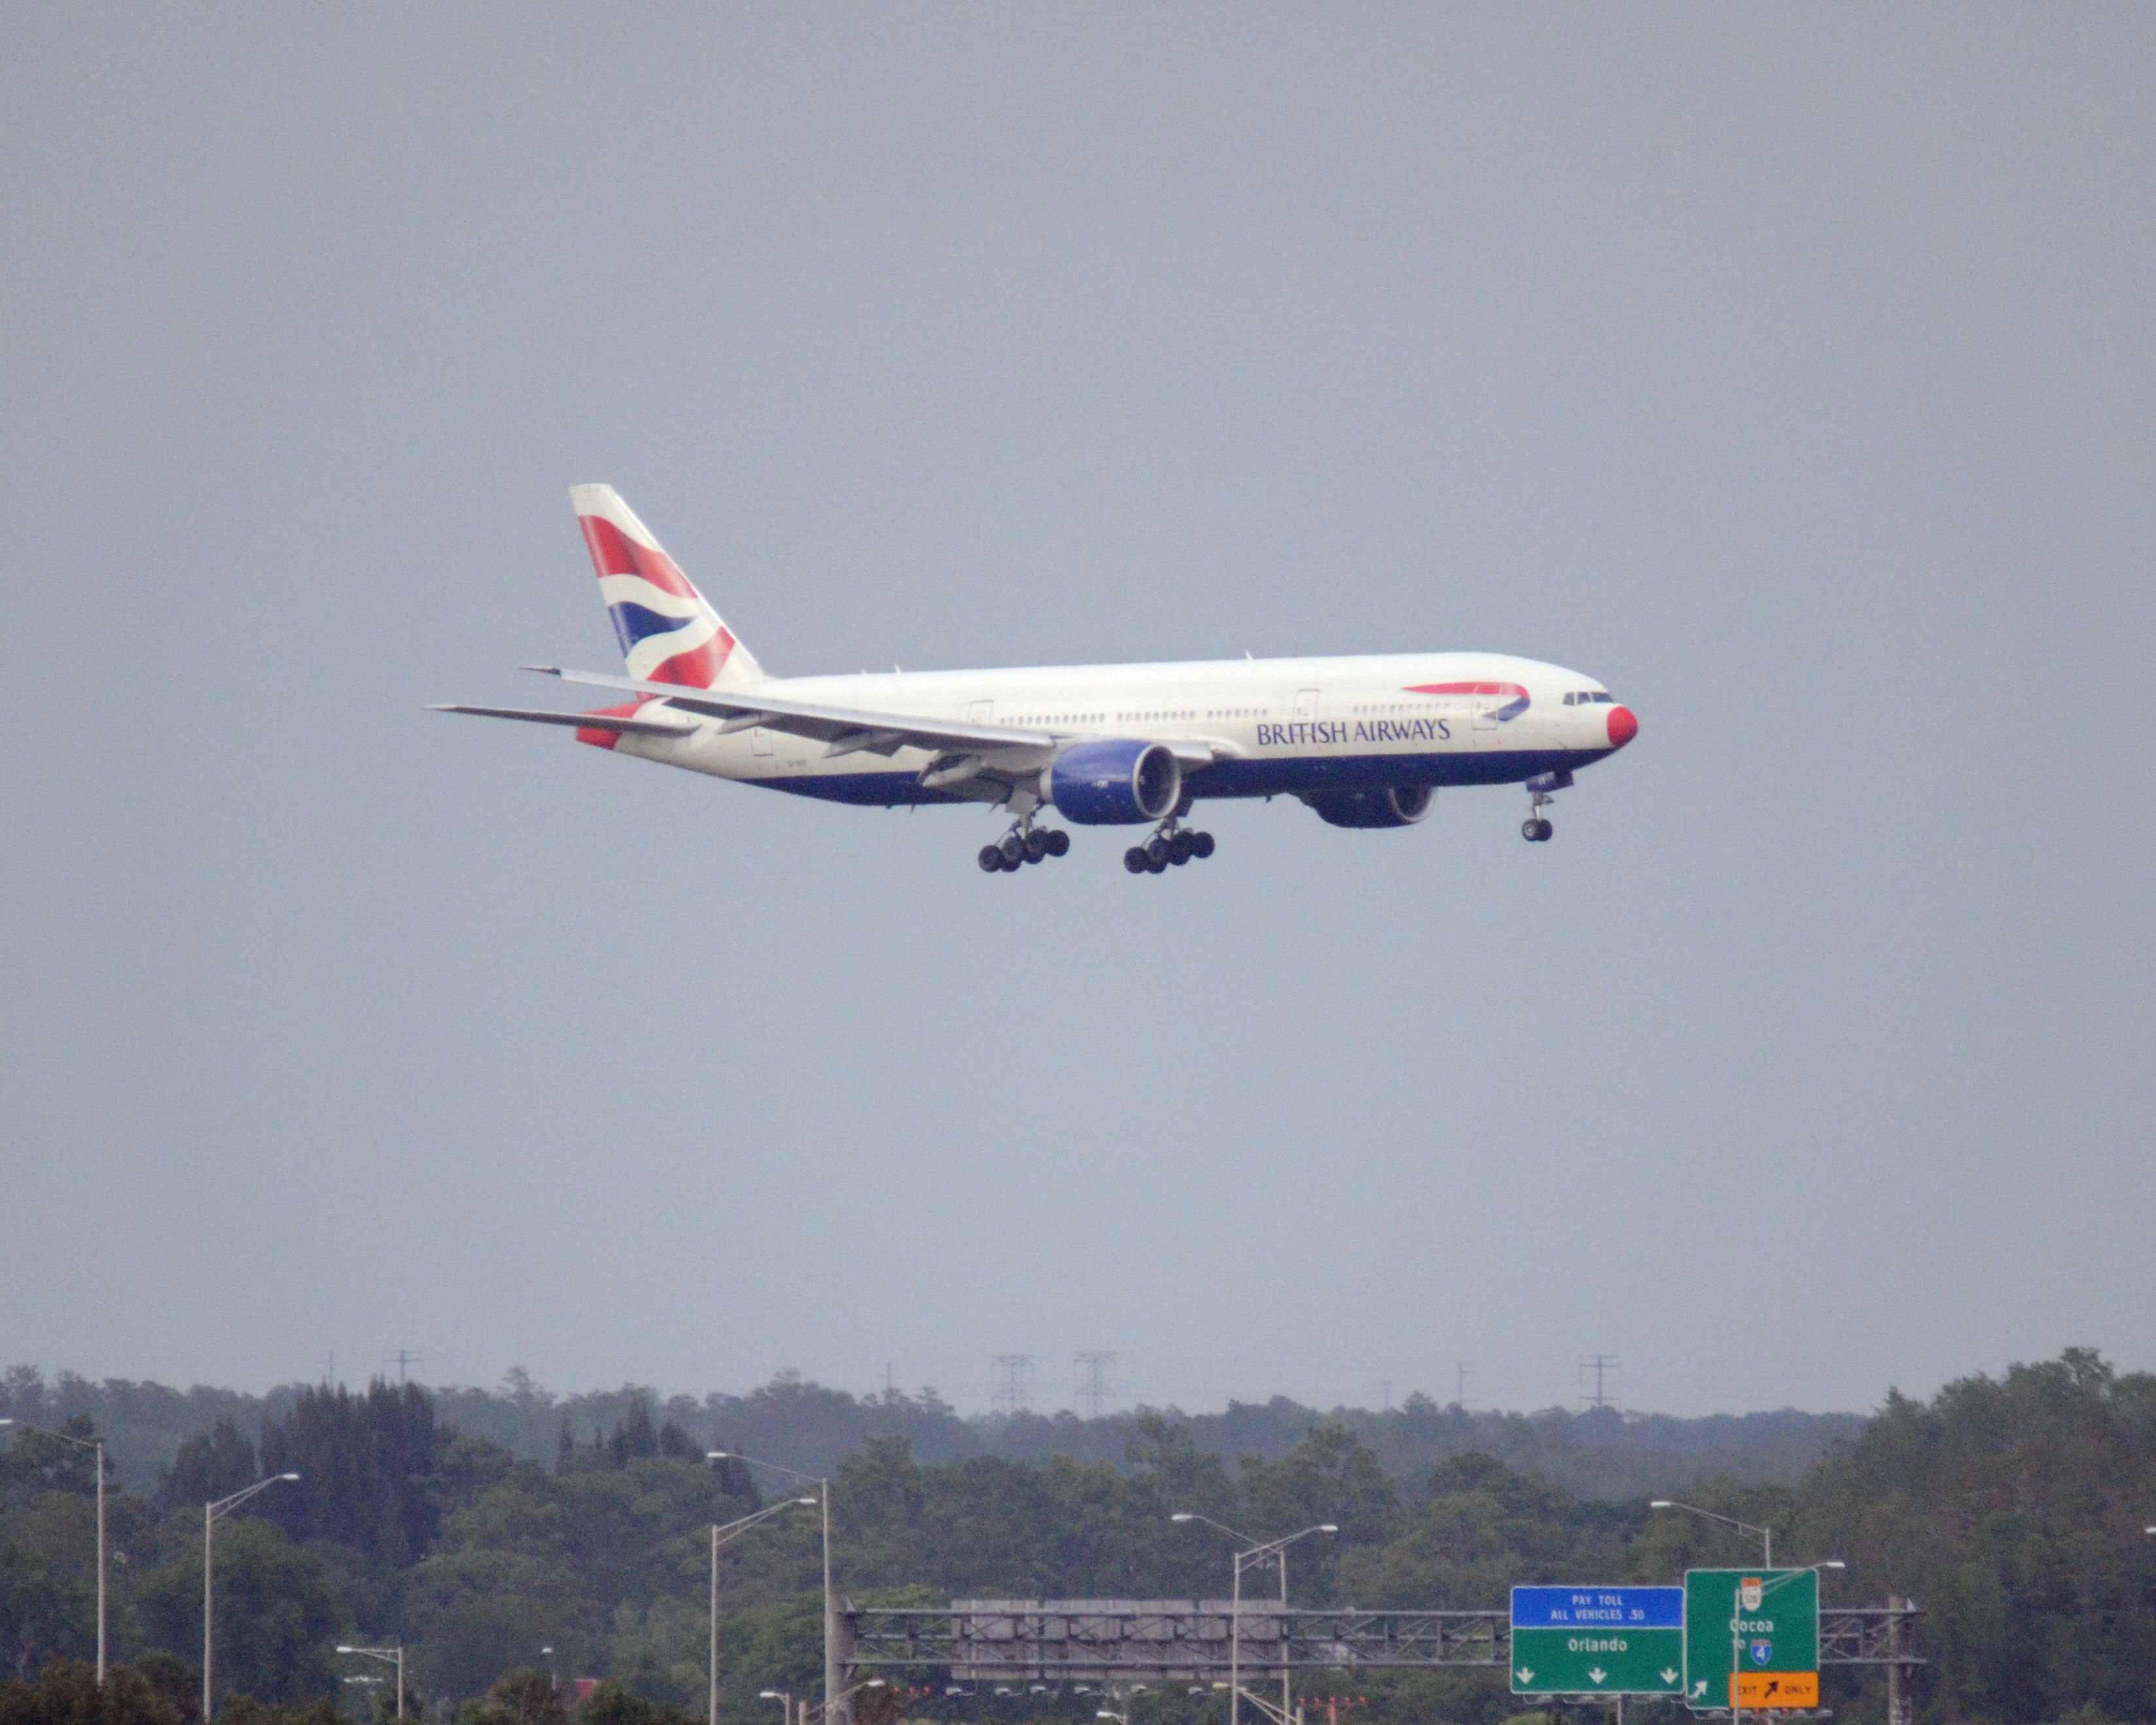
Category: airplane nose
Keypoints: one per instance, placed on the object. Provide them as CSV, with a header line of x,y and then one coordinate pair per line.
x,y
1623,727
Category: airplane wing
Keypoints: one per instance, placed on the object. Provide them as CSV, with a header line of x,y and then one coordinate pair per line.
x,y
855,730
963,757
847,731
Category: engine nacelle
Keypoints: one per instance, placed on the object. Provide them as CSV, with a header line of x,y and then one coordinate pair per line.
x,y
1398,806
1117,782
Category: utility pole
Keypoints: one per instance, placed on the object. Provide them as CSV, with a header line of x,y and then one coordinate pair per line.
x,y
403,1359
1460,1395
1601,1365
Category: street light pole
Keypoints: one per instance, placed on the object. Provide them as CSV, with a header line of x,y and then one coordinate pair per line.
x,y
1765,1536
832,1696
212,1513
1768,1585
387,1656
732,1530
1271,1548
96,1445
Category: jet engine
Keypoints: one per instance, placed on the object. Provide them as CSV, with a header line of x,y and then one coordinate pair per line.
x,y
1117,782
1397,806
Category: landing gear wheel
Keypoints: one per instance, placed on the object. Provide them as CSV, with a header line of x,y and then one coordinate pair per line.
x,y
1201,845
1013,849
1157,853
1543,831
1134,859
1057,840
1036,846
1181,848
1154,864
991,860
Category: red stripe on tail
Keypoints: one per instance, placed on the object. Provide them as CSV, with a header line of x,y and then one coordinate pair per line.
x,y
614,552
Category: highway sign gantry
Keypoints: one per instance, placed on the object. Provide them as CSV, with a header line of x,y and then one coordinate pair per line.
x,y
1755,1631
1598,1640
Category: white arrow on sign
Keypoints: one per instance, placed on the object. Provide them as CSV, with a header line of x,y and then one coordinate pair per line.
x,y
1700,1688
1596,1673
1669,1677
1527,1676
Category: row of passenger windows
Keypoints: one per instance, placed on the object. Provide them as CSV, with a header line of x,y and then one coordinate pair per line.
x,y
1378,709
1223,712
1587,697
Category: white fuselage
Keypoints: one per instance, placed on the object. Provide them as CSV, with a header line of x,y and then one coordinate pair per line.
x,y
1274,726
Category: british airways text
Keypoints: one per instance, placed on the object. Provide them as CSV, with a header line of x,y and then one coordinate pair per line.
x,y
1305,732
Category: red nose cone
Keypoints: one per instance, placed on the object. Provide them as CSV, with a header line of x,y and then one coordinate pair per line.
x,y
1623,727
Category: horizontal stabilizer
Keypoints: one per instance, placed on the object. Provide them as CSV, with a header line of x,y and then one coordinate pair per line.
x,y
616,722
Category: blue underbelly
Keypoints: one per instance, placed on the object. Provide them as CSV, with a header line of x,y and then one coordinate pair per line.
x,y
1283,776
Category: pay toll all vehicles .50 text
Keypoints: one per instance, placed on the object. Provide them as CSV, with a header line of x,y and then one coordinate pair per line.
x,y
1752,1631
1365,741
1598,1640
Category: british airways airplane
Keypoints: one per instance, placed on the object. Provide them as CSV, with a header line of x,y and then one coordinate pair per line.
x,y
1364,742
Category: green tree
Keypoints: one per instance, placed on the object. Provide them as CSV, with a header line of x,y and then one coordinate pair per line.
x,y
210,1465
277,1618
521,1696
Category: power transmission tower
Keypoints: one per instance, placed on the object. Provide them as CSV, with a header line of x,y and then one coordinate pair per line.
x,y
1013,1392
1603,1365
404,1360
1092,1375
1459,1395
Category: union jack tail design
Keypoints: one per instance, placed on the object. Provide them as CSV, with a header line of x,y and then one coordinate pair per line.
x,y
668,632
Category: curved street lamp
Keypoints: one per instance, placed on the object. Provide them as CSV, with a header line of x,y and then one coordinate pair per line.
x,y
213,1513
1247,1559
725,1534
387,1656
1765,1536
97,1444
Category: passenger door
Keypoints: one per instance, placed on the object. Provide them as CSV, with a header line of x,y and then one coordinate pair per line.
x,y
1305,705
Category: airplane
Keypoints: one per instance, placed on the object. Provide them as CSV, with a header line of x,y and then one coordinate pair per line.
x,y
1364,742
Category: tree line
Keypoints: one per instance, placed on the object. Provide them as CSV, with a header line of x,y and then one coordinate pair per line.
x,y
2010,1508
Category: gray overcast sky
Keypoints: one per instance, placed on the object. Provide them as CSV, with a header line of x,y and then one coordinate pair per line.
x,y
1789,368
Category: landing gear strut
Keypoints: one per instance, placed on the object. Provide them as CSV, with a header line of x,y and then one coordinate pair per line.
x,y
1170,847
1024,843
1535,829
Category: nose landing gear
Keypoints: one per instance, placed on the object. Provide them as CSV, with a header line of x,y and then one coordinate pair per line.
x,y
1541,789
1024,843
1171,847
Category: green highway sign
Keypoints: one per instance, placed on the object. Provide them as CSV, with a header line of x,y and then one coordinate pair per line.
x,y
1756,1630
1598,1640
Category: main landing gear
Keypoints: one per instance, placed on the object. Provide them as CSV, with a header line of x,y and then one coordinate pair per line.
x,y
1022,844
1171,847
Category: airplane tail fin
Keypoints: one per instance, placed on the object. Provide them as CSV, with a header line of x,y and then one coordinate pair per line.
x,y
668,632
